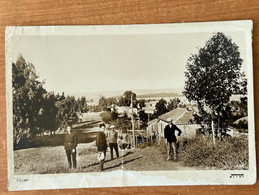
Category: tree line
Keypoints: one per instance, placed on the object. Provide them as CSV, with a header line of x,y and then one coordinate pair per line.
x,y
35,110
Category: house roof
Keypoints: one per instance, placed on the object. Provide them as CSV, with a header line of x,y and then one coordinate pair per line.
x,y
153,121
179,116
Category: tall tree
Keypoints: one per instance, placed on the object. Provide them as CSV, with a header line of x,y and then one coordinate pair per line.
x,y
172,104
103,105
67,111
141,103
28,99
48,112
125,99
213,75
82,105
161,107
143,117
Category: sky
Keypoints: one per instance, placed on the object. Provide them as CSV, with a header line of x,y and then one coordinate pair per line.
x,y
96,63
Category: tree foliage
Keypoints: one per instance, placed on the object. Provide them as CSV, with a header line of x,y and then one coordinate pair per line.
x,y
213,75
125,99
161,107
67,111
30,100
173,104
141,103
35,110
105,104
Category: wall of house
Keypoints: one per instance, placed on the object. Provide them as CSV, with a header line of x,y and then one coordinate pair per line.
x,y
188,130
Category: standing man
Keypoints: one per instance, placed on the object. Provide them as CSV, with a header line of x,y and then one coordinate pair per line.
x,y
169,135
113,136
101,144
70,147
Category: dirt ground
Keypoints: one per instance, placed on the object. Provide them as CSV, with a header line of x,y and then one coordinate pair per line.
x,y
49,160
51,157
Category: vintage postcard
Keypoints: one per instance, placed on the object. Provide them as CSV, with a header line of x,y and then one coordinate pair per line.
x,y
130,105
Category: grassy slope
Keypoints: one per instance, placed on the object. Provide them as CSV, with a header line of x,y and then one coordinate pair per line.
x,y
53,160
228,154
199,154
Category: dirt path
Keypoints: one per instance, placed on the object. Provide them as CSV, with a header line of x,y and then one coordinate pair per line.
x,y
47,160
145,159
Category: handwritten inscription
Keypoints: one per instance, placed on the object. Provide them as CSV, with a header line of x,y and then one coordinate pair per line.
x,y
236,175
22,180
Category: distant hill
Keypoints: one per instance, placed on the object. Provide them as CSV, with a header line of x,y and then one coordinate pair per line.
x,y
139,92
158,95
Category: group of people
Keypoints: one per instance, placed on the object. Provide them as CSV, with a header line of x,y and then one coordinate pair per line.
x,y
102,145
104,140
110,138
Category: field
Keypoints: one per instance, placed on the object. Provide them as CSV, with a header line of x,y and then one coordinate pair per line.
x,y
193,155
50,160
227,154
86,132
46,155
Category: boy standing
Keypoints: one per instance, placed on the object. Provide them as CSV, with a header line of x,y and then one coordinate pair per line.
x,y
113,136
70,147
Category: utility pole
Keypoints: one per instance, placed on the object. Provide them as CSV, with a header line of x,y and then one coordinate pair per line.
x,y
132,121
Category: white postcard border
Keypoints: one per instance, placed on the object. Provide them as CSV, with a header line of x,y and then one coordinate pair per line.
x,y
131,178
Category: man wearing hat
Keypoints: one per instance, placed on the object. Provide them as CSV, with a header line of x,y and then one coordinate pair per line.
x,y
112,137
169,135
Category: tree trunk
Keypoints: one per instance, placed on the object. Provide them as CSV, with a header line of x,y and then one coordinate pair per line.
x,y
213,133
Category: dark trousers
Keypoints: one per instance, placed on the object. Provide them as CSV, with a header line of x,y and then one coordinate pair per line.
x,y
115,146
69,155
102,161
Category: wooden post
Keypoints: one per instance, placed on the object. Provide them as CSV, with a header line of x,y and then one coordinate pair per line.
x,y
132,121
213,133
151,135
218,127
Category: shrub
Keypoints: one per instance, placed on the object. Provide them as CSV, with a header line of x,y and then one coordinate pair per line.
x,y
147,144
242,124
106,117
228,154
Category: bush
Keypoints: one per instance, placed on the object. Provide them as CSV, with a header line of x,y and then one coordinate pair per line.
x,y
228,154
106,117
147,144
242,124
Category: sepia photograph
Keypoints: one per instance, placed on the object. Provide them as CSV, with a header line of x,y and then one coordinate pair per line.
x,y
130,105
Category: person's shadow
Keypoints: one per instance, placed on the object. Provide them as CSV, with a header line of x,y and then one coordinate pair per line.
x,y
117,165
122,163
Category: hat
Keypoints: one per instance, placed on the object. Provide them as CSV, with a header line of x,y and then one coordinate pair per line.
x,y
100,156
112,126
102,125
169,119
